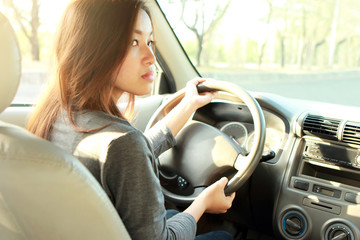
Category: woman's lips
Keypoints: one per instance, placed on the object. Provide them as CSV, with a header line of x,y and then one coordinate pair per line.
x,y
148,76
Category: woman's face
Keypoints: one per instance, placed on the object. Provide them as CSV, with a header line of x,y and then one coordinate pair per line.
x,y
136,73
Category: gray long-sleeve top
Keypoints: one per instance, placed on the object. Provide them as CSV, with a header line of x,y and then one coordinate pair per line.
x,y
124,161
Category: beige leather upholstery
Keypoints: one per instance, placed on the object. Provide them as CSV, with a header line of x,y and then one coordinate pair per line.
x,y
45,193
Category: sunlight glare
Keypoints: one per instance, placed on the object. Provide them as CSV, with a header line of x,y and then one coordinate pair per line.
x,y
225,150
353,210
314,198
50,13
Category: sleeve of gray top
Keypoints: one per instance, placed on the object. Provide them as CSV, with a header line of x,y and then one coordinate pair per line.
x,y
136,192
160,138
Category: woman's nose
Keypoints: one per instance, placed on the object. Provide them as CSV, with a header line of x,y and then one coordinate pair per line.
x,y
149,58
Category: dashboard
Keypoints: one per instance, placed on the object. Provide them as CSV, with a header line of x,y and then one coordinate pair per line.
x,y
310,184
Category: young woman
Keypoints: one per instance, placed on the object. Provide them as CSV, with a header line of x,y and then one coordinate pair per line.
x,y
104,49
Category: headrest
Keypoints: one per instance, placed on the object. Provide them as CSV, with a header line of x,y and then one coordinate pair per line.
x,y
10,63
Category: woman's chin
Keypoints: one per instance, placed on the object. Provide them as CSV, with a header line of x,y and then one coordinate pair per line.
x,y
144,92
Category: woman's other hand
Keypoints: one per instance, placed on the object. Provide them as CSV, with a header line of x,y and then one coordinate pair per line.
x,y
215,199
211,200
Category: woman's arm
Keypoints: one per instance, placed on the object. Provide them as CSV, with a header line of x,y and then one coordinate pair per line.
x,y
213,198
160,138
132,184
192,100
161,135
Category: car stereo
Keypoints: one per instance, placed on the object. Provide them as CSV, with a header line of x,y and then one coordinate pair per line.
x,y
336,155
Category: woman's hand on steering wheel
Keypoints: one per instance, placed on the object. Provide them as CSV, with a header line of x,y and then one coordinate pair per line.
x,y
211,200
215,199
191,101
195,99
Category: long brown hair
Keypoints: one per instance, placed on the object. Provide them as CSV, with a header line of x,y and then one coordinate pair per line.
x,y
91,43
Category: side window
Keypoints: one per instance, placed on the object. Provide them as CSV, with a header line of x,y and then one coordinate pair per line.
x,y
34,23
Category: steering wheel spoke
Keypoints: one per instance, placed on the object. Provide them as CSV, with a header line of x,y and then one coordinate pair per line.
x,y
201,154
241,162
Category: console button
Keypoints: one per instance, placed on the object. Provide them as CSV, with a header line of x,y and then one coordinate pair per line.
x,y
303,185
352,197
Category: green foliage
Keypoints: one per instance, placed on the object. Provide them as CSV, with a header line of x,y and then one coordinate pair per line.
x,y
191,49
306,26
213,52
303,34
251,51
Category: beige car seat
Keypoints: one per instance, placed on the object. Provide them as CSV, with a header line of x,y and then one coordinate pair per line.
x,y
45,193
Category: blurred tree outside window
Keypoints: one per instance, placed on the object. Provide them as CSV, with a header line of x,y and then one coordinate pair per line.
x,y
306,49
34,22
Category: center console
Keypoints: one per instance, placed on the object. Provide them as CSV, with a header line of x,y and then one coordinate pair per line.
x,y
320,196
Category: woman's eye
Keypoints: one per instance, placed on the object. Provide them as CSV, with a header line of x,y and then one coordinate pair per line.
x,y
151,43
135,43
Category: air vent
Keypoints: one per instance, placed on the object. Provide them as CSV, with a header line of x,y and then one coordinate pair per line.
x,y
321,126
352,133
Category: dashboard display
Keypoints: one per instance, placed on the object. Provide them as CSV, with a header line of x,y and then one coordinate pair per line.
x,y
326,192
272,140
236,131
243,135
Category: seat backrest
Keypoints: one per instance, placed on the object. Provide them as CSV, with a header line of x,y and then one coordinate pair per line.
x,y
45,193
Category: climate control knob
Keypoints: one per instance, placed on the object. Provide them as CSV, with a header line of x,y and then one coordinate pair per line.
x,y
339,231
294,225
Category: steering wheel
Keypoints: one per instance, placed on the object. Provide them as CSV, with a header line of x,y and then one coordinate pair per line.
x,y
203,153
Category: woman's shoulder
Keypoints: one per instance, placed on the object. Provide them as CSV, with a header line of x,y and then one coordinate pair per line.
x,y
111,124
105,129
105,121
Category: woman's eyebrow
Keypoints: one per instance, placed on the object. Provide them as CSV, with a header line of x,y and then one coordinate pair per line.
x,y
141,32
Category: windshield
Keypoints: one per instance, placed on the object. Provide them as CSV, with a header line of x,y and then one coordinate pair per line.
x,y
294,48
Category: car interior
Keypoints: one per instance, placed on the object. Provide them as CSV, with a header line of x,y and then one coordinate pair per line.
x,y
45,192
294,164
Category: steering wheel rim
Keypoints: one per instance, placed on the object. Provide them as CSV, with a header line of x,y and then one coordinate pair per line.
x,y
244,165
